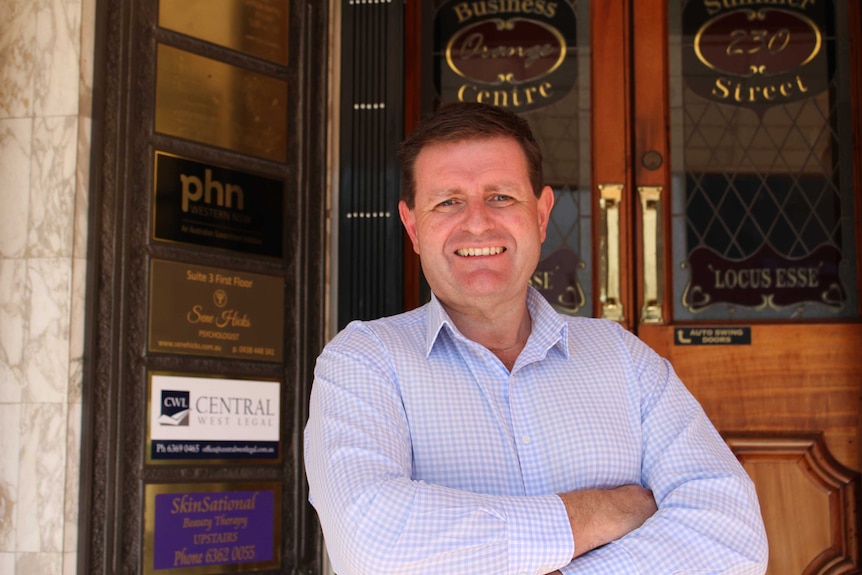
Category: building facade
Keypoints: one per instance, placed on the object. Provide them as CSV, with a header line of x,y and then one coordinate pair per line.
x,y
167,161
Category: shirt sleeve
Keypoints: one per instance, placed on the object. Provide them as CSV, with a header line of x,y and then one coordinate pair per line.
x,y
708,519
375,518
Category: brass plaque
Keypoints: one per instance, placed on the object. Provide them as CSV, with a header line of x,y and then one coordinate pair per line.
x,y
214,206
208,528
215,312
255,27
218,104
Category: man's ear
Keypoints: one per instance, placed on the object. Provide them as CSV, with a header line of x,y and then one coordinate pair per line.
x,y
544,206
408,218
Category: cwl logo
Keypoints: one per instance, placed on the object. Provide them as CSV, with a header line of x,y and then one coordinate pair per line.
x,y
175,408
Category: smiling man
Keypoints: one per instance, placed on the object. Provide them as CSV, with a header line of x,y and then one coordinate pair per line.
x,y
486,433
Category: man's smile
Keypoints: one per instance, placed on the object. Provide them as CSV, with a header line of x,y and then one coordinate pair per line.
x,y
486,251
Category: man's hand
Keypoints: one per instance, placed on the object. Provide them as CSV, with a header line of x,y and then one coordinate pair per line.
x,y
599,516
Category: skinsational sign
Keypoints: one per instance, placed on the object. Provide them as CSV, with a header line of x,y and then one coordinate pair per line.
x,y
201,529
212,419
756,53
516,54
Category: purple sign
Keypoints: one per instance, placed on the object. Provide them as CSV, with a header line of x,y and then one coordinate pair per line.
x,y
556,278
212,528
764,279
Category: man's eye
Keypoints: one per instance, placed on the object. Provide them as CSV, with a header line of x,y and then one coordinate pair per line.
x,y
500,198
446,203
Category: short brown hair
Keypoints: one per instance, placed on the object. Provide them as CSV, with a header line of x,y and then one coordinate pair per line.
x,y
460,121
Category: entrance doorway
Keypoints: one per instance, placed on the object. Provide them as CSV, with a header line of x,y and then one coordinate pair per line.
x,y
702,153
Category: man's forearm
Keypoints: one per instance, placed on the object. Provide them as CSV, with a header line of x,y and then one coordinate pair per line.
x,y
599,516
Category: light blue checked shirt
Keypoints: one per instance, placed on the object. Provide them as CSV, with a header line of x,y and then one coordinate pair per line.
x,y
424,454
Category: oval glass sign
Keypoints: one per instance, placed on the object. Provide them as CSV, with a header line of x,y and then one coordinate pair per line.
x,y
516,55
514,51
756,58
765,42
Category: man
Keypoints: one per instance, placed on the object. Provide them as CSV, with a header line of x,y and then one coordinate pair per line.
x,y
486,433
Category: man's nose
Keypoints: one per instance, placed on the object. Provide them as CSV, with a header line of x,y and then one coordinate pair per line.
x,y
478,217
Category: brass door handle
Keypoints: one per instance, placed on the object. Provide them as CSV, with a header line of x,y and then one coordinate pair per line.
x,y
610,196
650,197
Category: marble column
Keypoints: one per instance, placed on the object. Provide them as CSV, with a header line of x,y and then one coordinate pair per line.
x,y
46,49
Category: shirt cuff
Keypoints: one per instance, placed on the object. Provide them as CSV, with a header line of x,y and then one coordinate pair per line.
x,y
540,537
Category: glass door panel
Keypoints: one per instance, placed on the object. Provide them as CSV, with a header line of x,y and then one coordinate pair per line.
x,y
534,59
762,178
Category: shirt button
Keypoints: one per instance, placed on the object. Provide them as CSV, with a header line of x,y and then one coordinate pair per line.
x,y
525,440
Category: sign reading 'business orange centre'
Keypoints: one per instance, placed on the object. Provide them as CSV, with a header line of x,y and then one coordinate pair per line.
x,y
516,54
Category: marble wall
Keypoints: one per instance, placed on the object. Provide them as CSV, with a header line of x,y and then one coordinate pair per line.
x,y
46,49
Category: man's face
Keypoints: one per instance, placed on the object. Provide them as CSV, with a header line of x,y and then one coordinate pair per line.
x,y
476,223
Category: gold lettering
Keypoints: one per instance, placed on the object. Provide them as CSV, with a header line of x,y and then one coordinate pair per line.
x,y
725,88
715,6
474,46
725,92
542,280
196,315
749,278
467,10
183,558
233,318
463,12
518,96
712,6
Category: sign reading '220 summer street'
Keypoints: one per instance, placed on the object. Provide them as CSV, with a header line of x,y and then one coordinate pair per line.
x,y
756,54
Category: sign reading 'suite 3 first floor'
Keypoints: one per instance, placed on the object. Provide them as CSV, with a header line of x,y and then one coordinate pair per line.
x,y
213,206
215,312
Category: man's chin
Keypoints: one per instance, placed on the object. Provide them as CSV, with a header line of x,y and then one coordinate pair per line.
x,y
484,287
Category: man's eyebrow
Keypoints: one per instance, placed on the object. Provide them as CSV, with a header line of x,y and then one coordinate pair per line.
x,y
444,192
503,187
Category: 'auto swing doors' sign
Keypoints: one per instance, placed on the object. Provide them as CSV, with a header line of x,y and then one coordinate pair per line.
x,y
508,53
757,54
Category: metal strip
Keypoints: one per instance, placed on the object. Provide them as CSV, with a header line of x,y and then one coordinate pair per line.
x,y
650,197
610,196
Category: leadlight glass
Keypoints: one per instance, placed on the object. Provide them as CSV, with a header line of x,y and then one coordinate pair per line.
x,y
762,194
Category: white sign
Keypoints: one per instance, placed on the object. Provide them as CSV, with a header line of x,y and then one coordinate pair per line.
x,y
213,418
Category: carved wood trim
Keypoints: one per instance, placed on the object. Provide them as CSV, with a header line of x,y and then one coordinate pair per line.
x,y
840,483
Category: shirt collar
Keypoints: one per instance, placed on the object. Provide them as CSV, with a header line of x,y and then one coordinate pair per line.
x,y
549,328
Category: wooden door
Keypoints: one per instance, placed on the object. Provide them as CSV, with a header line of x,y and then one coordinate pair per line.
x,y
745,137
705,156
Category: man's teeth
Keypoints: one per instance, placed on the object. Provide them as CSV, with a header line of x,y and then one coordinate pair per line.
x,y
480,251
